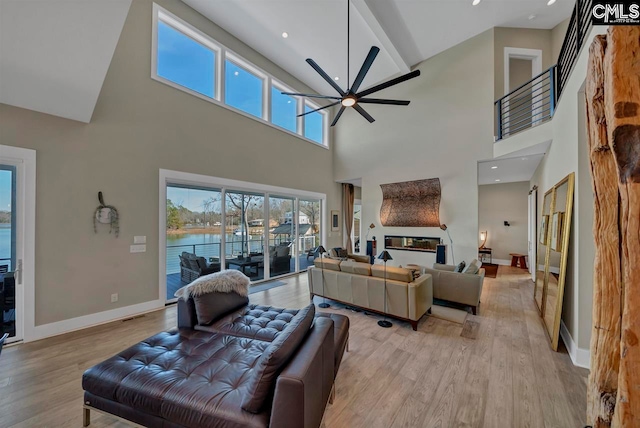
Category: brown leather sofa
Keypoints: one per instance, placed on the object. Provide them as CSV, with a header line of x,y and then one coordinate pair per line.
x,y
201,375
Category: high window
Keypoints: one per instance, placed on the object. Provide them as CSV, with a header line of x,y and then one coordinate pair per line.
x,y
314,124
189,60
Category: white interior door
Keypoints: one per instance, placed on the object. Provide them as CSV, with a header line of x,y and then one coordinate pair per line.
x,y
532,234
17,239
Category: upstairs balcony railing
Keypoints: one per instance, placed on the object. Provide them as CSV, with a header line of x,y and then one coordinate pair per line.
x,y
535,101
528,105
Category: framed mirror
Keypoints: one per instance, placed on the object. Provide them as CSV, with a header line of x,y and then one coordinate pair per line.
x,y
541,256
557,253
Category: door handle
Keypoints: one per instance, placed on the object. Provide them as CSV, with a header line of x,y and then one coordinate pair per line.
x,y
18,272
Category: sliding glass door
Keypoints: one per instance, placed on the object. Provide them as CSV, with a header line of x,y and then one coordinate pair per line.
x,y
209,229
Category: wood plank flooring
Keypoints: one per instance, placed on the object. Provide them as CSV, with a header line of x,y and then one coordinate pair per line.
x,y
507,377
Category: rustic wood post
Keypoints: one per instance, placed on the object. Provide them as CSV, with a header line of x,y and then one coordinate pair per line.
x,y
613,117
622,102
605,336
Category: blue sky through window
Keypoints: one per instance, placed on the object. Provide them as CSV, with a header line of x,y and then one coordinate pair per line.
x,y
185,61
243,90
283,110
5,190
193,199
313,125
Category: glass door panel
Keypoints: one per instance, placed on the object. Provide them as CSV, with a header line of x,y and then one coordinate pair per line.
x,y
282,231
7,250
244,245
309,232
194,235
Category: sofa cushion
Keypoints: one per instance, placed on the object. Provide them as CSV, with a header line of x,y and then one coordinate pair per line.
x,y
254,322
193,262
327,264
212,306
358,268
282,251
265,371
339,252
393,273
460,267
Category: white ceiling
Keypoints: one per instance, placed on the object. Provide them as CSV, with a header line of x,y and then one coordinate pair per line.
x,y
520,168
54,55
407,31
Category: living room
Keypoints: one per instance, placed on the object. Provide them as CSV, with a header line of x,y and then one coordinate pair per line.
x,y
85,110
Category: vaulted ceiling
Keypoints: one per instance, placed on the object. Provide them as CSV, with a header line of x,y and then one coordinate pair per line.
x,y
407,31
54,54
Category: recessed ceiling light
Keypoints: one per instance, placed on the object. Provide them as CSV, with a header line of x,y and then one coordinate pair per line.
x,y
523,158
550,2
289,102
532,17
235,73
497,179
494,167
285,34
336,78
476,2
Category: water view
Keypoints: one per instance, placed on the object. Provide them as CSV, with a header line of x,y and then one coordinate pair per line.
x,y
5,244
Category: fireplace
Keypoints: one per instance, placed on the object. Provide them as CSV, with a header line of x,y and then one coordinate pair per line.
x,y
411,243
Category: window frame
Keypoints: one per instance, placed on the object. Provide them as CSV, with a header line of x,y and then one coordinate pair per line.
x,y
312,105
222,54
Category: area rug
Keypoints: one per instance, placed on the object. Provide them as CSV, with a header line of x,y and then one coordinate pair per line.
x,y
266,286
490,270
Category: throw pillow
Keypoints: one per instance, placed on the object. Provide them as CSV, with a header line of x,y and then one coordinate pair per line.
x,y
278,353
210,307
224,281
460,266
472,269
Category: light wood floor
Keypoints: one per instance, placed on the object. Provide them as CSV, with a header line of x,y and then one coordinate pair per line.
x,y
507,377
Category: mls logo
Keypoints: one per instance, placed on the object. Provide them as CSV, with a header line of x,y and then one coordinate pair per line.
x,y
615,12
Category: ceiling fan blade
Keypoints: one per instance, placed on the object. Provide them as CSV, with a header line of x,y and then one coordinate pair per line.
x,y
366,65
364,113
325,76
382,101
311,95
335,119
391,82
321,108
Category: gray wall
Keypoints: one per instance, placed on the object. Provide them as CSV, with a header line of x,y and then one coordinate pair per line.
x,y
500,202
139,126
445,130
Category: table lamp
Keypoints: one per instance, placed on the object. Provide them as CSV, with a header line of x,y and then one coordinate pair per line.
x,y
483,238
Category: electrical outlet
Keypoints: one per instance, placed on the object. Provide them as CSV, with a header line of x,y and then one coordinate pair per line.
x,y
114,297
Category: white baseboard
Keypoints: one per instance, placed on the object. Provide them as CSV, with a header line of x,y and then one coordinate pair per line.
x,y
502,262
579,356
73,324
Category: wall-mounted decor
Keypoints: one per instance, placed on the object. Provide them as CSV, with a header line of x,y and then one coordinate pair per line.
x,y
411,243
335,221
411,203
106,214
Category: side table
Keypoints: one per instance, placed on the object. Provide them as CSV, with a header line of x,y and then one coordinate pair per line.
x,y
482,252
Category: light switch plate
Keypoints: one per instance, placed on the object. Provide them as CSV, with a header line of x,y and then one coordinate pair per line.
x,y
138,248
139,239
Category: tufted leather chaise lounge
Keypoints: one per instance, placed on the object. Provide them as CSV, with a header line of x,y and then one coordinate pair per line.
x,y
198,376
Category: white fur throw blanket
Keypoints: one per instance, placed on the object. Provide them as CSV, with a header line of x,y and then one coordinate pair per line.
x,y
224,281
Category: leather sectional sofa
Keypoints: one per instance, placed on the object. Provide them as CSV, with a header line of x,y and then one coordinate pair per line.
x,y
255,366
362,285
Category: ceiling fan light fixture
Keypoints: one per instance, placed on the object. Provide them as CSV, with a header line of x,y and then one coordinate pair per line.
x,y
348,101
285,35
550,2
476,2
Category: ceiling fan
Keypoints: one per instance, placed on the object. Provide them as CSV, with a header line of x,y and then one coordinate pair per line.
x,y
351,97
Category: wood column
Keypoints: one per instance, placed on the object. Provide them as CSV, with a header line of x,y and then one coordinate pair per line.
x,y
613,117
